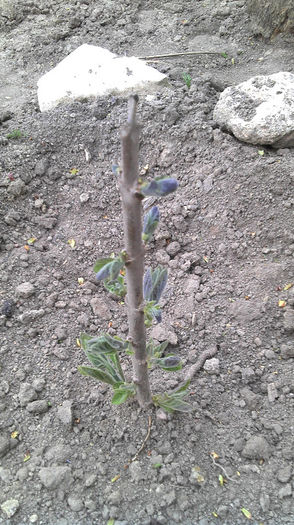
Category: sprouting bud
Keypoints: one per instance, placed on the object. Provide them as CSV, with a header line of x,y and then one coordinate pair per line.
x,y
158,187
151,220
154,283
171,361
110,270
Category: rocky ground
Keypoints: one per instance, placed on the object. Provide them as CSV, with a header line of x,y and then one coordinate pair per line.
x,y
226,236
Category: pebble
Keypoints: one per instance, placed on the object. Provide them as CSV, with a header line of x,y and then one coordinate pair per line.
x,y
256,448
90,480
76,504
52,477
284,474
163,333
33,518
58,453
26,394
285,491
136,471
29,316
211,366
38,407
289,320
16,188
47,222
264,502
65,413
5,474
38,384
248,375
100,308
84,197
272,392
25,290
287,351
9,507
173,248
41,166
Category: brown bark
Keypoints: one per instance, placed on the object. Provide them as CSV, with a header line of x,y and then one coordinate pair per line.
x,y
132,219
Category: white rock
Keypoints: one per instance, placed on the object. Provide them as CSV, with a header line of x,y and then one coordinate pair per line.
x,y
211,366
260,110
92,71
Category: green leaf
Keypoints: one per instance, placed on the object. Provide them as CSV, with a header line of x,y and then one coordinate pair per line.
x,y
246,513
111,522
170,404
116,287
183,388
167,363
100,375
104,344
101,262
122,393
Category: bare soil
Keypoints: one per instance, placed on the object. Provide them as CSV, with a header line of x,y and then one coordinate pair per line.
x,y
226,236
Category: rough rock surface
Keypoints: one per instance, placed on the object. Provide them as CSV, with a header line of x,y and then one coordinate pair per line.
x,y
260,110
271,17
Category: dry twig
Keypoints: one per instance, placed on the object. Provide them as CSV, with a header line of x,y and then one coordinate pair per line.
x,y
144,442
207,354
186,54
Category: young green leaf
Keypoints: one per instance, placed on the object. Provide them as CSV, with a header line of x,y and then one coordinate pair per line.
x,y
151,220
154,283
158,187
100,375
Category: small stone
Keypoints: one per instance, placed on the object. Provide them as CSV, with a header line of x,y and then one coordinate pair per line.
x,y
26,394
31,315
136,471
9,507
16,188
272,392
90,505
52,477
47,222
284,474
33,518
264,502
289,320
38,384
285,491
160,414
173,248
84,197
61,333
100,308
257,341
58,453
287,351
164,333
256,448
25,290
38,407
65,413
5,474
75,503
248,375
270,354
22,474
211,366
42,166
90,480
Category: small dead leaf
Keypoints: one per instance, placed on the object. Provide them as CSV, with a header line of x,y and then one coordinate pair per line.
x,y
115,478
73,171
247,297
246,513
215,514
214,455
26,247
205,258
81,280
282,304
261,152
72,243
27,457
221,480
31,240
233,61
78,342
14,434
288,286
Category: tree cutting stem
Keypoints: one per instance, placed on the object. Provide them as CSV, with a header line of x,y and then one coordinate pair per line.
x,y
132,220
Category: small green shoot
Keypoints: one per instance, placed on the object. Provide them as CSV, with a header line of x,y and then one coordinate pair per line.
x,y
187,79
15,134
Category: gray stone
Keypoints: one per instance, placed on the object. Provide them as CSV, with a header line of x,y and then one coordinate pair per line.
x,y
285,491
101,308
289,320
25,290
260,110
58,453
26,394
173,248
284,474
53,477
38,407
30,316
16,188
164,333
248,375
47,222
246,311
9,507
38,384
22,474
12,218
264,502
75,503
256,448
252,400
84,197
5,474
270,17
287,351
65,413
272,392
90,480
136,471
211,366
42,166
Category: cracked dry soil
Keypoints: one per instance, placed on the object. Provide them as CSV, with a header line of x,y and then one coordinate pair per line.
x,y
226,237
